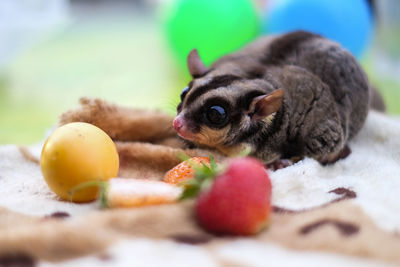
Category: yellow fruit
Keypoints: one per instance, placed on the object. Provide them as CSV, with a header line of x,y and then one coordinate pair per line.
x,y
76,153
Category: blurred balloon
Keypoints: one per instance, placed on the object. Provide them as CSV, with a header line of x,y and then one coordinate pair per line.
x,y
214,27
349,22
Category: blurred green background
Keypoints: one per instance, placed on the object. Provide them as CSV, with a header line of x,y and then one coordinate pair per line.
x,y
116,50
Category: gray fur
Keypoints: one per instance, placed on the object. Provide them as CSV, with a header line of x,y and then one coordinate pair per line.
x,y
325,104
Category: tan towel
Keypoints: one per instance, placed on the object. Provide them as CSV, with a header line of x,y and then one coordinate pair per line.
x,y
345,214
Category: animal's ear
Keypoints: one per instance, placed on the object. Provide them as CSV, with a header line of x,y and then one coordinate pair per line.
x,y
195,65
264,105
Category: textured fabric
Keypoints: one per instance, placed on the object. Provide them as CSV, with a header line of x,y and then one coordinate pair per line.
x,y
345,214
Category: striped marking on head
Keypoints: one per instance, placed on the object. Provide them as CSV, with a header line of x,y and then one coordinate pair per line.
x,y
214,83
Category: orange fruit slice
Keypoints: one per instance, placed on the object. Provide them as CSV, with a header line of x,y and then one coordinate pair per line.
x,y
184,170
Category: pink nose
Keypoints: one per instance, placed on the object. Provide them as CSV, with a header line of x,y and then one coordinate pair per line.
x,y
178,124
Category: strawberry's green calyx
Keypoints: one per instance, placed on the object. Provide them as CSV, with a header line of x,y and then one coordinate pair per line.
x,y
203,179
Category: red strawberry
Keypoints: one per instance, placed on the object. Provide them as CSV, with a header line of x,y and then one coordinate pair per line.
x,y
238,201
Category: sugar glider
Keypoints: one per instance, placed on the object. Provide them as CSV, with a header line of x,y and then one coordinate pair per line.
x,y
284,96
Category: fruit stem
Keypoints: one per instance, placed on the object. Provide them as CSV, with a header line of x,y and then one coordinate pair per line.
x,y
182,156
102,185
203,179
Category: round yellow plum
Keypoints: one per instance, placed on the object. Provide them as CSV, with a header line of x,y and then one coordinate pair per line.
x,y
77,153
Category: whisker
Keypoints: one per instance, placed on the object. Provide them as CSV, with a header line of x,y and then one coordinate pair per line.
x,y
170,104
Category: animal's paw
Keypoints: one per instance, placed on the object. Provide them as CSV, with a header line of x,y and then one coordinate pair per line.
x,y
325,141
332,158
279,164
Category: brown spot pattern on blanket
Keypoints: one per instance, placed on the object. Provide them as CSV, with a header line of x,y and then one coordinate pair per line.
x,y
345,192
58,215
366,238
16,260
191,239
147,147
277,209
344,228
104,257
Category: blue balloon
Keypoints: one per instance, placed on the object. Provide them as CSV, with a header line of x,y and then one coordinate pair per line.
x,y
348,22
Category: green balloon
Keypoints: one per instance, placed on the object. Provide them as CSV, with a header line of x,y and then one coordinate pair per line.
x,y
214,27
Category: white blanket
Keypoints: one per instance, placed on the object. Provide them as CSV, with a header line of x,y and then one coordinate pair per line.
x,y
372,171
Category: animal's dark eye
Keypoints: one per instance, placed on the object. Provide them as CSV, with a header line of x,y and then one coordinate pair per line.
x,y
216,116
184,92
